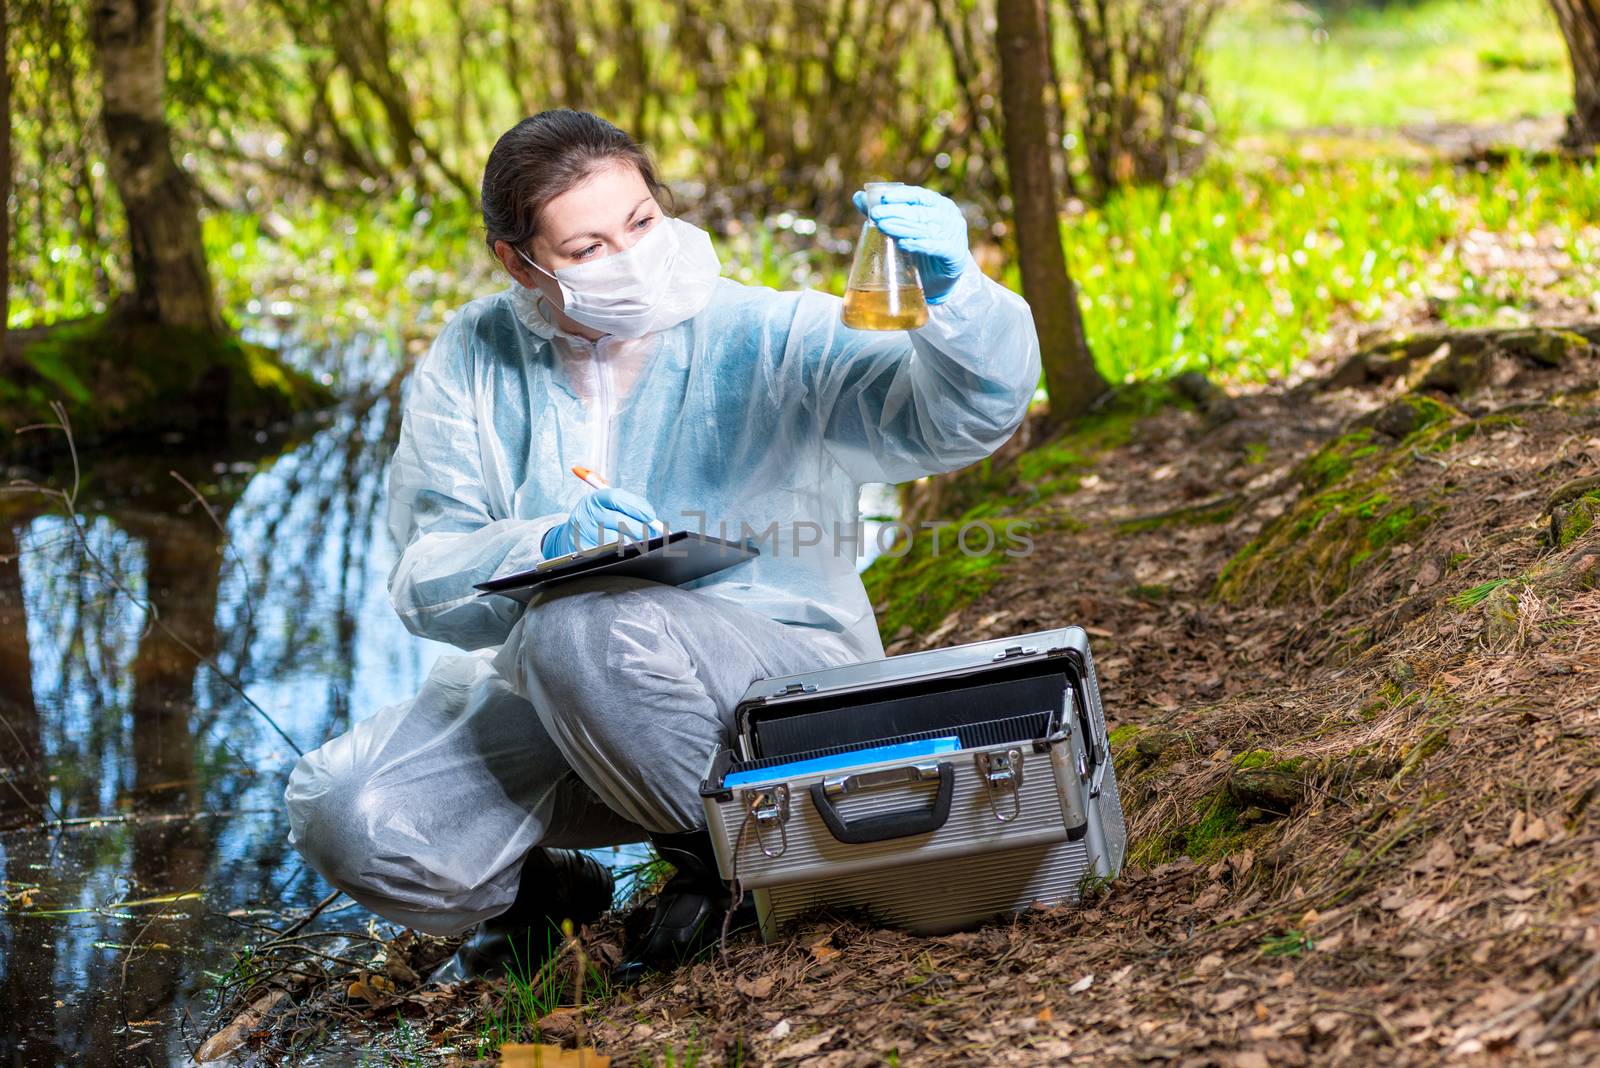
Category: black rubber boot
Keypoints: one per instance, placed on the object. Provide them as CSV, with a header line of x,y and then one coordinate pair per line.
x,y
557,884
689,910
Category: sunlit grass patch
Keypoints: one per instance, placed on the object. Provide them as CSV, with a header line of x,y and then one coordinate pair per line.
x,y
1241,272
1274,65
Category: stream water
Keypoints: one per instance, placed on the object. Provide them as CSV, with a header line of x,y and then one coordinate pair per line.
x,y
142,835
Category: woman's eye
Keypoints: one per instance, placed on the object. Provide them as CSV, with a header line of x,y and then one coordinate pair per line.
x,y
646,221
585,253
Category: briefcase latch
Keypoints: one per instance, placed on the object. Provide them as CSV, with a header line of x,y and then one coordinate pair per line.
x,y
768,812
797,687
1011,652
1001,772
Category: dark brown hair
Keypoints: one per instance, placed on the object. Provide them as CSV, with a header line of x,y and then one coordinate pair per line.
x,y
542,157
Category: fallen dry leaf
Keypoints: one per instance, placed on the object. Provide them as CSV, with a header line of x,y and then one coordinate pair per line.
x,y
759,987
1229,998
363,990
805,1047
1438,857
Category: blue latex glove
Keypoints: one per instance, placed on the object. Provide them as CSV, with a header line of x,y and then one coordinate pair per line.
x,y
600,516
928,226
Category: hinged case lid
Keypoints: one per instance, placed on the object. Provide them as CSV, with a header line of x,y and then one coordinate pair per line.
x,y
1011,660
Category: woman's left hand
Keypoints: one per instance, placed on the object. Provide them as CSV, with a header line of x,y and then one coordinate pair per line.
x,y
928,226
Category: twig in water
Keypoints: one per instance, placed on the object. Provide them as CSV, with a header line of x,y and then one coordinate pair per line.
x,y
295,927
133,945
249,599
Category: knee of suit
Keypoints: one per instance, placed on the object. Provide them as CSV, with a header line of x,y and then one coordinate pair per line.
x,y
338,820
328,819
603,642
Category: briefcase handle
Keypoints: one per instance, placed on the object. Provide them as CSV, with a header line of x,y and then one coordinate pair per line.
x,y
888,825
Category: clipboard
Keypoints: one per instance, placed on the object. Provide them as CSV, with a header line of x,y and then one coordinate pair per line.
x,y
674,558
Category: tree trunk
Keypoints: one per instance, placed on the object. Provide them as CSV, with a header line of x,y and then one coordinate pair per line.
x,y
5,171
20,752
1580,25
1069,372
172,284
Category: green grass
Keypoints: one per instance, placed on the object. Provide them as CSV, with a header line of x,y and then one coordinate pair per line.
x,y
691,1055
1240,272
1291,943
534,988
1476,595
1277,66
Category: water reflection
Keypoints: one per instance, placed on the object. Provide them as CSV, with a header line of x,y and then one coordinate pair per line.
x,y
142,838
141,832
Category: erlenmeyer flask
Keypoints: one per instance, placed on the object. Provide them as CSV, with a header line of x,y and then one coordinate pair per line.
x,y
884,292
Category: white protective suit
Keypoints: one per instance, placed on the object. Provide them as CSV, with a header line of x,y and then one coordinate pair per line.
x,y
759,415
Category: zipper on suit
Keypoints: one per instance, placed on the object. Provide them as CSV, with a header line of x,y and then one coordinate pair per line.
x,y
603,413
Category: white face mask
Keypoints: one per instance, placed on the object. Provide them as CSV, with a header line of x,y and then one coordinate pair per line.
x,y
661,281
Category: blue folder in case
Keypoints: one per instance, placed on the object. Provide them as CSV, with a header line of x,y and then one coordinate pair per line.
x,y
854,758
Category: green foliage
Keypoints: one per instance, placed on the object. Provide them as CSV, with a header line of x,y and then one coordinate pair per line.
x,y
1193,515
1323,539
1093,887
1239,270
1345,518
691,1055
1233,272
533,989
1278,66
1334,460
918,588
1216,830
535,986
1576,519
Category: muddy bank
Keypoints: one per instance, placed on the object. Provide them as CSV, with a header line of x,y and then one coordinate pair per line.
x,y
120,381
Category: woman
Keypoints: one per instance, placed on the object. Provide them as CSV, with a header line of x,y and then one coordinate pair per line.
x,y
589,717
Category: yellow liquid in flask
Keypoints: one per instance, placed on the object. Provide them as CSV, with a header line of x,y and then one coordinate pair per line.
x,y
883,308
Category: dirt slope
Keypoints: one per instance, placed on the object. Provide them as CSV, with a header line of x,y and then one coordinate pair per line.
x,y
1350,644
1356,681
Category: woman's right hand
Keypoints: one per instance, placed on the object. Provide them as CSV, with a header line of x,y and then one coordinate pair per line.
x,y
600,516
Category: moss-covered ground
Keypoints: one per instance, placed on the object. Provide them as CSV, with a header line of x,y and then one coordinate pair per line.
x,y
137,381
1003,504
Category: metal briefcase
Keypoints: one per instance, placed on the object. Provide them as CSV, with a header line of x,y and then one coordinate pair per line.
x,y
1016,802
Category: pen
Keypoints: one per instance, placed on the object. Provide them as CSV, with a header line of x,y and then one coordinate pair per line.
x,y
595,481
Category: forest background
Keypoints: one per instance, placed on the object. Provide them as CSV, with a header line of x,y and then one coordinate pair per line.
x,y
1234,178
